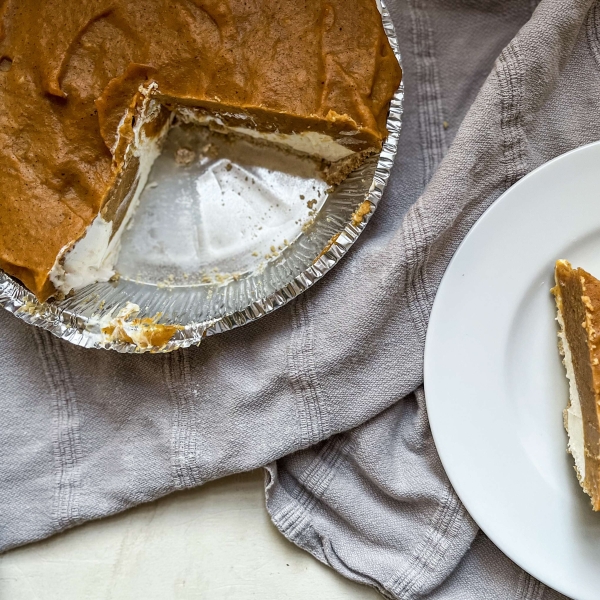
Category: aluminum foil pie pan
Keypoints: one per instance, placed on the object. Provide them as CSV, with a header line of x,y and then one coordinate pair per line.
x,y
226,233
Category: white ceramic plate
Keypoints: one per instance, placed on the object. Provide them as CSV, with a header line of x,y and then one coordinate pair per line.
x,y
494,381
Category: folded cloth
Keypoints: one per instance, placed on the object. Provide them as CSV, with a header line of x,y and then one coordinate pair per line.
x,y
330,387
374,503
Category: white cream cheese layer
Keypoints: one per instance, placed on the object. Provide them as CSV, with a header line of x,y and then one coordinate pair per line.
x,y
92,258
308,142
573,418
87,262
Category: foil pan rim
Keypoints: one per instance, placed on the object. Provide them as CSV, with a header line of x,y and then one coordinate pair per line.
x,y
16,299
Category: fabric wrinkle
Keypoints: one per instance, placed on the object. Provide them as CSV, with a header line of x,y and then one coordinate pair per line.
x,y
66,443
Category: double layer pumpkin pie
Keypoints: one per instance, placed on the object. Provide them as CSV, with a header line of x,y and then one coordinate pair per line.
x,y
577,296
89,88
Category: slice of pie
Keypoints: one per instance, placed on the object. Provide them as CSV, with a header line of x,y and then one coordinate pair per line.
x,y
577,296
89,88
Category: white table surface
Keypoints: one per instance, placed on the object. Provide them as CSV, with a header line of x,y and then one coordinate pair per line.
x,y
213,543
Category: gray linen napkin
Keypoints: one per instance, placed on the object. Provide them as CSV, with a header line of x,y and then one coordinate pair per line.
x,y
86,434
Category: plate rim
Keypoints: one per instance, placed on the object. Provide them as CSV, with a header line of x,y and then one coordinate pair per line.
x,y
428,368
